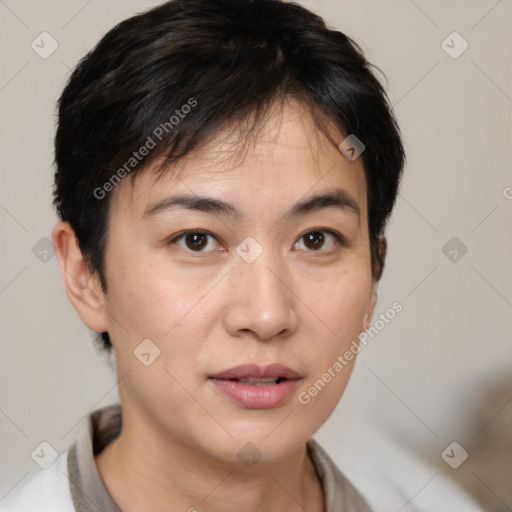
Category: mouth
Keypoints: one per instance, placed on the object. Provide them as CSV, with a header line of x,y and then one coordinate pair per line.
x,y
255,381
254,373
257,387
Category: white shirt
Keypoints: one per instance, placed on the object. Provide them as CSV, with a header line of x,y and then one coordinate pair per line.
x,y
72,483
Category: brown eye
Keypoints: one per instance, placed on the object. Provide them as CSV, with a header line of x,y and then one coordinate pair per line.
x,y
194,241
315,240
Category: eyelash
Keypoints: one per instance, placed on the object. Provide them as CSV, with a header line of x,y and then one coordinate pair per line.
x,y
340,239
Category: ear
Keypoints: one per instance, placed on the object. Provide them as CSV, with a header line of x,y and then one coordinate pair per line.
x,y
83,288
377,268
371,306
378,263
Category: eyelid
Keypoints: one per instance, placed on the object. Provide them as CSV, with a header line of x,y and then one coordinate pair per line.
x,y
332,232
340,239
175,238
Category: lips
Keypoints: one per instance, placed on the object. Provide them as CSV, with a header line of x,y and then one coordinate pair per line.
x,y
253,371
257,387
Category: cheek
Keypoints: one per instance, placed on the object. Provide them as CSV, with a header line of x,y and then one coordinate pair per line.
x,y
340,307
146,305
340,304
149,297
141,302
156,302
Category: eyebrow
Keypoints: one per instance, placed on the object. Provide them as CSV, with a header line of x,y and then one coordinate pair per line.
x,y
338,198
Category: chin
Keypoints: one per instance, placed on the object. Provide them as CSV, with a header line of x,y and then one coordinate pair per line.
x,y
263,440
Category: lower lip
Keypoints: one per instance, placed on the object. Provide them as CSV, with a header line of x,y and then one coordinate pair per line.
x,y
256,397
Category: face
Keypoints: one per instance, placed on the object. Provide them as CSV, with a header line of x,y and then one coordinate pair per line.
x,y
245,311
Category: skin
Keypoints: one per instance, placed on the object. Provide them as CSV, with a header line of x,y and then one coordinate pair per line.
x,y
298,304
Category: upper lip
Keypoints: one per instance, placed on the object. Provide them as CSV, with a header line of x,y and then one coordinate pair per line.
x,y
245,371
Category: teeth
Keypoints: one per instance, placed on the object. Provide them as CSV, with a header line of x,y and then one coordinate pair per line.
x,y
255,381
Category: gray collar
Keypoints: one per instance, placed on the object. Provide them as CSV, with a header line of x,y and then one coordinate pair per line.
x,y
103,425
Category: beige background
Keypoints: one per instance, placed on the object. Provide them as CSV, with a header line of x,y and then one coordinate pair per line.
x,y
438,373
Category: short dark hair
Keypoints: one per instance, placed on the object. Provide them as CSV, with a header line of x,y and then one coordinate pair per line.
x,y
227,61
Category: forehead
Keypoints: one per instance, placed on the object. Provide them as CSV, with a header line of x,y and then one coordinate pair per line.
x,y
285,159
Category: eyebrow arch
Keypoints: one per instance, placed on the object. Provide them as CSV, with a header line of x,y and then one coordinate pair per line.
x,y
337,198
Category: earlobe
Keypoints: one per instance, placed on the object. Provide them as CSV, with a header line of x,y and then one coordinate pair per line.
x,y
83,288
371,306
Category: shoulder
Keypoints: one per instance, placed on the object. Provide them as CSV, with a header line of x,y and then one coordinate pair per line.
x,y
46,490
338,490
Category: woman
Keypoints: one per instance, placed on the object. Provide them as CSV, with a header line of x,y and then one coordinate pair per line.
x,y
224,173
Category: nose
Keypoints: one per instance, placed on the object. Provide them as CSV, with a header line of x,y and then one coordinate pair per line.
x,y
262,300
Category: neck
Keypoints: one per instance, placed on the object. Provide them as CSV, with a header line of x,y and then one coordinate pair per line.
x,y
151,474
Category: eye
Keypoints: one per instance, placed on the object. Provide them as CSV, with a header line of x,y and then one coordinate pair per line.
x,y
315,240
194,241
